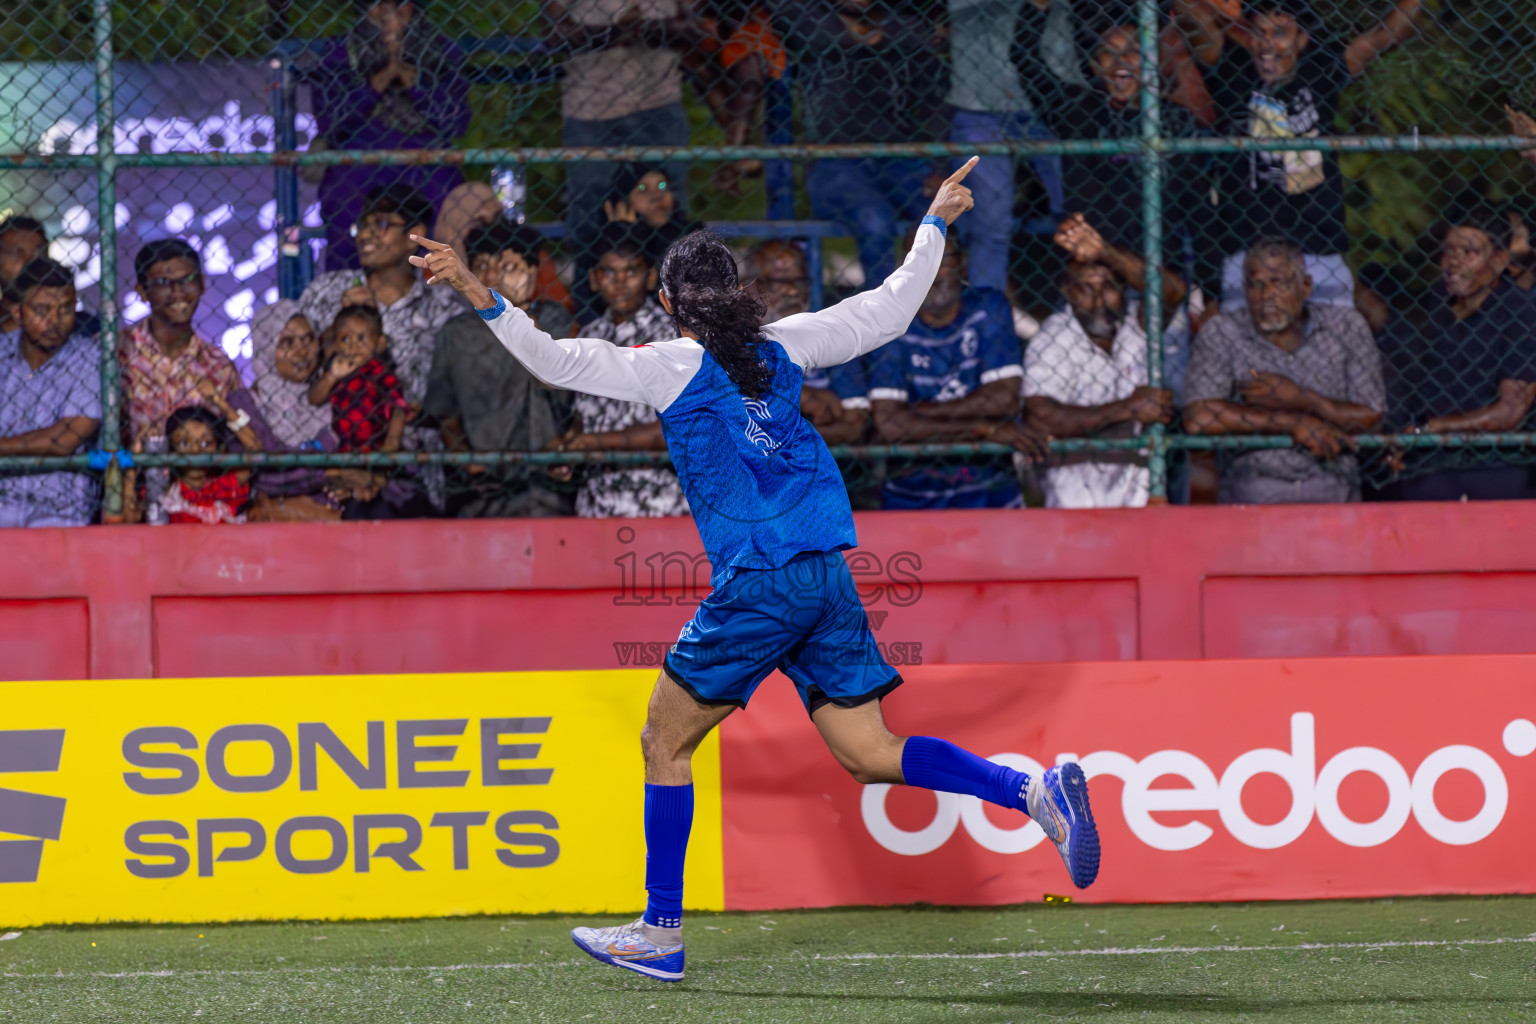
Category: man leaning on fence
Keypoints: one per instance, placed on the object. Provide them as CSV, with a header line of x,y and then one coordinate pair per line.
x,y
1464,361
1286,366
50,399
485,399
1085,373
954,376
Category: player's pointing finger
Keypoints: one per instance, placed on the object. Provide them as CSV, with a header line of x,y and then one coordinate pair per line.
x,y
965,168
427,243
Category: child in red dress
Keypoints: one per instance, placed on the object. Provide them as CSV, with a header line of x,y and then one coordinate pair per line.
x,y
205,494
367,405
368,414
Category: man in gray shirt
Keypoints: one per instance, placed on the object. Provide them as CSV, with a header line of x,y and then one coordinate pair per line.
x,y
1286,366
990,105
485,399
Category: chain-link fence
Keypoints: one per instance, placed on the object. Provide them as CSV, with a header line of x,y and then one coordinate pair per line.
x,y
1246,250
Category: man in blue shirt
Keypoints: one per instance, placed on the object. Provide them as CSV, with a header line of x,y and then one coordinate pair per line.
x,y
50,399
954,376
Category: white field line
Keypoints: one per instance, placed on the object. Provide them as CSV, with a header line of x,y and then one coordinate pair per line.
x,y
1045,954
264,972
1022,954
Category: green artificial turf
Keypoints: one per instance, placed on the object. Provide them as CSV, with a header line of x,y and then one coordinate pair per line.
x,y
1335,961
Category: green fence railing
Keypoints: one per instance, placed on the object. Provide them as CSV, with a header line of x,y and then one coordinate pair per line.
x,y
1153,148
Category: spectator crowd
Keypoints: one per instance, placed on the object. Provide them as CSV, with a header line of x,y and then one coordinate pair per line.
x,y
370,358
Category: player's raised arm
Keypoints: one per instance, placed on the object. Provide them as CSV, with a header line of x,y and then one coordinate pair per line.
x,y
869,319
590,365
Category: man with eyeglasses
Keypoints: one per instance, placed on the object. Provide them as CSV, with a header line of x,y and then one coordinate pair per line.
x,y
413,313
22,240
163,358
835,399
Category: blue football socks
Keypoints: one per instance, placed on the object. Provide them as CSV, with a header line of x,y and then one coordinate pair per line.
x,y
668,819
937,764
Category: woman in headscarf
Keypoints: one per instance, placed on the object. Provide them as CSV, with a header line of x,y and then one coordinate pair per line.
x,y
285,353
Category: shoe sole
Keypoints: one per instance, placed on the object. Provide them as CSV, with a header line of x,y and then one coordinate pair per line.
x,y
1083,843
649,972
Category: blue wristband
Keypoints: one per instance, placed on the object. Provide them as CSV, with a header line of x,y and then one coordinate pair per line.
x,y
100,460
937,222
496,310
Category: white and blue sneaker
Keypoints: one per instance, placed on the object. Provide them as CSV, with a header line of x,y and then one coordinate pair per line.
x,y
627,946
1058,801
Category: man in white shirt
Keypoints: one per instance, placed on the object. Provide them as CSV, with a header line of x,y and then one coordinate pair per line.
x,y
1085,373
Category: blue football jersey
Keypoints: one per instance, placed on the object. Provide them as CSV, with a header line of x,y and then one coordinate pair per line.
x,y
761,483
847,382
941,364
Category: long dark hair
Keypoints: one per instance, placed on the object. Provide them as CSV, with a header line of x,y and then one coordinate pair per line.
x,y
698,273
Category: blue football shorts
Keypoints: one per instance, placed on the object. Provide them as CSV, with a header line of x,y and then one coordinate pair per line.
x,y
802,618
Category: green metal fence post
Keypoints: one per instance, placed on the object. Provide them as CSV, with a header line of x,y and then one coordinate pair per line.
x,y
106,222
1152,234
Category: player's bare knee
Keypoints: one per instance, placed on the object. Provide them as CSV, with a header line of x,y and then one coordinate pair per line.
x,y
867,766
651,745
864,774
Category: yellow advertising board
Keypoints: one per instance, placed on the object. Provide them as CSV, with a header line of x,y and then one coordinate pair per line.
x,y
333,797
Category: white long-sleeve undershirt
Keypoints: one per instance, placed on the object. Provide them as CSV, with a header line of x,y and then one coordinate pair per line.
x,y
656,374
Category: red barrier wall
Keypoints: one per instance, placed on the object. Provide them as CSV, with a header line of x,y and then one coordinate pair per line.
x,y
1211,780
1161,583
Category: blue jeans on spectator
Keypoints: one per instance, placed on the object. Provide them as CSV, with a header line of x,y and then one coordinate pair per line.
x,y
875,199
988,231
589,183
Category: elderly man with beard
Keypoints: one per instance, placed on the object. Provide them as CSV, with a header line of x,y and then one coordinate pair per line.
x,y
1287,366
835,400
1465,361
954,376
1085,373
